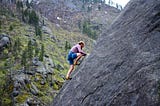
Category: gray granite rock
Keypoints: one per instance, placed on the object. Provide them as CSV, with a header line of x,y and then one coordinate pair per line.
x,y
124,67
4,41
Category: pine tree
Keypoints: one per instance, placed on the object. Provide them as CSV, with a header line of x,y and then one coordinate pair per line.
x,y
27,4
43,22
30,50
38,32
109,2
19,5
33,18
36,49
99,7
10,28
16,47
24,58
66,46
25,15
41,53
117,5
19,45
69,46
89,8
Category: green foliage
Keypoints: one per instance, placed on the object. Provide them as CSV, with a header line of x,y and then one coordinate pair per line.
x,y
19,44
79,25
36,49
24,58
27,4
87,30
16,48
38,32
43,22
85,27
6,102
67,45
26,50
30,16
6,89
30,50
25,15
26,12
22,97
41,53
33,18
19,5
10,28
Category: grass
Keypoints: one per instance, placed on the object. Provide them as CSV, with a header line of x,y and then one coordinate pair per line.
x,y
54,49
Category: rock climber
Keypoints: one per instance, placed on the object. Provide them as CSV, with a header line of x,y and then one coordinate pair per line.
x,y
74,55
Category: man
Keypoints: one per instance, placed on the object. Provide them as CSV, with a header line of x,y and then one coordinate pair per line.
x,y
75,53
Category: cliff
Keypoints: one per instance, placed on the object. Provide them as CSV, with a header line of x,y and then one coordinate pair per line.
x,y
123,69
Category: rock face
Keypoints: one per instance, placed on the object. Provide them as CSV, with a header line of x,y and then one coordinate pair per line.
x,y
124,67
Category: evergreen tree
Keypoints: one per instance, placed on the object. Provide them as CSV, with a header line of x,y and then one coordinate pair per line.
x,y
109,2
10,28
121,7
36,49
19,5
24,58
87,30
27,4
26,12
69,46
99,7
16,47
19,45
66,45
38,32
25,15
33,18
117,5
30,50
89,9
43,22
41,53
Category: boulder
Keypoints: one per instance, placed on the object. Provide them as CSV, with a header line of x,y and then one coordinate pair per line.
x,y
4,41
124,67
33,102
36,61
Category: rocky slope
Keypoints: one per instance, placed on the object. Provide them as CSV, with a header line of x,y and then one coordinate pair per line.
x,y
123,69
71,14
